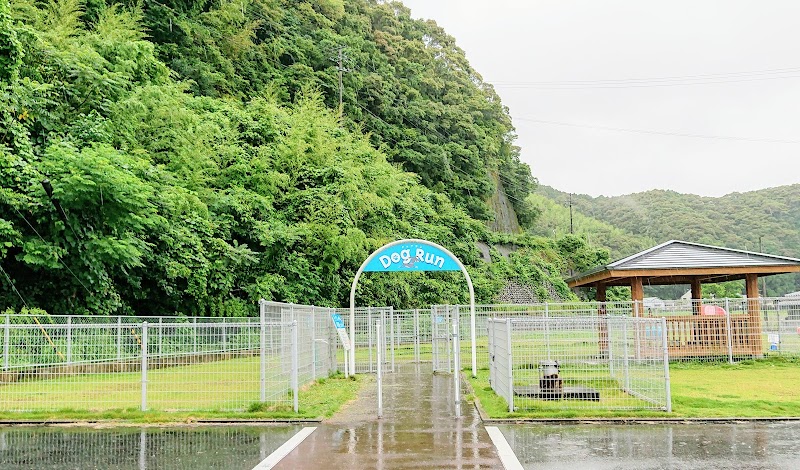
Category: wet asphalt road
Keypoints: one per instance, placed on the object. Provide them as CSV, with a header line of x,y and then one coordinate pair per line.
x,y
418,431
658,446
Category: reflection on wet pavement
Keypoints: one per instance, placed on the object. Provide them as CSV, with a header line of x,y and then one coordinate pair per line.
x,y
418,430
657,446
196,448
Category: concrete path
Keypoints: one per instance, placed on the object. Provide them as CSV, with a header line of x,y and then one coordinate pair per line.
x,y
418,429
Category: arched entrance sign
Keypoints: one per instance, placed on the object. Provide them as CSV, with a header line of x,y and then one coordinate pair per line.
x,y
412,255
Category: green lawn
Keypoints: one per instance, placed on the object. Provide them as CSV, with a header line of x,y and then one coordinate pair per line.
x,y
227,388
764,388
769,387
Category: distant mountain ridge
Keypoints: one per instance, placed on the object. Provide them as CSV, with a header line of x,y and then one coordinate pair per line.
x,y
766,220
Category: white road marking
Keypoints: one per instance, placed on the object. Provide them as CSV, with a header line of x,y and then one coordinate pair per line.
x,y
507,456
284,450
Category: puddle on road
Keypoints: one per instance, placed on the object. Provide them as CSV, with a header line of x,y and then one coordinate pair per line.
x,y
749,446
163,448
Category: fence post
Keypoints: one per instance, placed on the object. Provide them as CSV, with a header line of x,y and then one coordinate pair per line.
x,y
391,334
610,356
457,369
194,334
6,339
224,335
445,334
369,338
728,331
668,396
398,336
313,344
160,335
69,340
625,360
262,308
510,367
379,368
492,349
295,366
547,328
638,334
457,356
434,349
119,338
416,335
144,366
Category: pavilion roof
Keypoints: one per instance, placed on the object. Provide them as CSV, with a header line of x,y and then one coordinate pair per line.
x,y
677,262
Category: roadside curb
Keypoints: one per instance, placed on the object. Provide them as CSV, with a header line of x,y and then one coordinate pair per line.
x,y
636,421
205,422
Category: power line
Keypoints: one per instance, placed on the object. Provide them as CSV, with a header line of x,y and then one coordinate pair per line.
x,y
655,132
644,85
43,240
701,79
14,287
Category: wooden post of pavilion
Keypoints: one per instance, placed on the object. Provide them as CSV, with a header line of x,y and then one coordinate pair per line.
x,y
699,330
637,296
753,314
603,326
697,295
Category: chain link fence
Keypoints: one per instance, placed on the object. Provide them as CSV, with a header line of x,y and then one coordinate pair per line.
x,y
597,363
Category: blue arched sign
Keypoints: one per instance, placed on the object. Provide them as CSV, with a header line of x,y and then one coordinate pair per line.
x,y
411,256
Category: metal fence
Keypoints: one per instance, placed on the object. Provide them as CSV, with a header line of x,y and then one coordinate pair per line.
x,y
393,325
598,363
711,329
180,364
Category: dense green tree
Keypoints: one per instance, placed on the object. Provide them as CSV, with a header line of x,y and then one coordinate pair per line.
x,y
190,157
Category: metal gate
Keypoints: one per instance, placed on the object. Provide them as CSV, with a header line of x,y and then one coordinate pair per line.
x,y
366,338
442,316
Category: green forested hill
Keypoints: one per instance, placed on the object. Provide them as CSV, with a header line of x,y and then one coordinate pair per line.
x,y
737,220
404,82
189,157
554,221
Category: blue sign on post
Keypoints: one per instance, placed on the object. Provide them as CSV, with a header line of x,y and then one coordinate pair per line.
x,y
415,256
337,321
339,324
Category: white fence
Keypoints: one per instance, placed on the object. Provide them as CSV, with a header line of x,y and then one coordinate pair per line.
x,y
181,364
366,337
721,329
611,363
96,363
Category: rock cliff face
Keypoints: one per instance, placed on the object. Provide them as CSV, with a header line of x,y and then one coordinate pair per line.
x,y
517,293
505,218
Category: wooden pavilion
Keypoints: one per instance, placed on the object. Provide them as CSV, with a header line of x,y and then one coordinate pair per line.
x,y
680,262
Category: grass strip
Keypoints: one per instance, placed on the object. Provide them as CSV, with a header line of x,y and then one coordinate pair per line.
x,y
317,401
748,389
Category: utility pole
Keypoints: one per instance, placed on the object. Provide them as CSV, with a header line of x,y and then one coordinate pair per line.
x,y
340,59
571,231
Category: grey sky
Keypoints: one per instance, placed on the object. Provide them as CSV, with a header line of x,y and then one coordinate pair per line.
x,y
750,50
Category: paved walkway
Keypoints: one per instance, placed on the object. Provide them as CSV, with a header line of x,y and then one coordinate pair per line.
x,y
418,429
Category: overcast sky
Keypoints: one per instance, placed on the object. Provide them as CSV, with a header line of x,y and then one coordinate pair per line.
x,y
569,72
